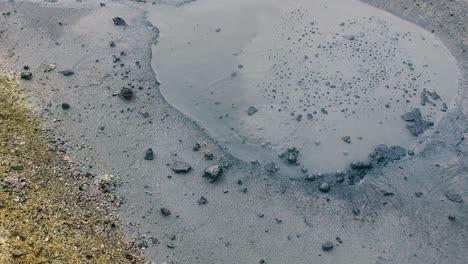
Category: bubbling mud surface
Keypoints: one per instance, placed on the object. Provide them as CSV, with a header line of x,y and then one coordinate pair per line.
x,y
331,78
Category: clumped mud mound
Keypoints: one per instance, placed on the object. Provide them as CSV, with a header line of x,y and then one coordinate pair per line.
x,y
49,212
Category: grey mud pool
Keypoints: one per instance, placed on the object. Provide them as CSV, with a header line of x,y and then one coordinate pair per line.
x,y
330,78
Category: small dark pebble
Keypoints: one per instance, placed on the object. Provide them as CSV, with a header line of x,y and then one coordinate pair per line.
x,y
126,93
202,200
165,211
196,147
67,72
65,106
346,139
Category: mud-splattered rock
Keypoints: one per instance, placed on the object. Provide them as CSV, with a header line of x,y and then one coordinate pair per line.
x,y
180,166
327,246
271,167
17,253
196,147
252,110
67,72
107,182
416,124
149,154
202,200
324,187
65,106
118,21
290,155
213,172
166,212
346,139
26,75
126,93
384,154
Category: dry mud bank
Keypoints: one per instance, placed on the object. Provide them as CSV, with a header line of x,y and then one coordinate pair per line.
x,y
49,212
408,211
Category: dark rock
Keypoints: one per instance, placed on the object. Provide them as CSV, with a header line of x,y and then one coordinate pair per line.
x,y
65,106
451,217
386,193
252,110
118,21
324,187
26,75
126,93
67,72
196,147
327,246
213,172
454,197
202,200
165,211
149,155
346,139
180,167
112,44
310,177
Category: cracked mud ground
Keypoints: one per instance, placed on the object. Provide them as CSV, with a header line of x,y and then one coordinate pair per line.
x,y
182,196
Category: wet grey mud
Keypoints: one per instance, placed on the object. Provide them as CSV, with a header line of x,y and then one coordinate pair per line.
x,y
331,78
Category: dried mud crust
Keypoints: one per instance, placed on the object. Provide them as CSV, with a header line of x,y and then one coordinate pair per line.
x,y
48,212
